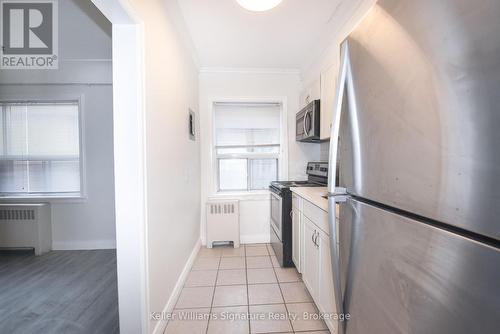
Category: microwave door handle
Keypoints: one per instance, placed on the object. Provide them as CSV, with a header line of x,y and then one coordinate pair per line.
x,y
306,132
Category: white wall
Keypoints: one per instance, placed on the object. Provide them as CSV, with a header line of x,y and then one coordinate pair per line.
x,y
85,70
252,84
172,159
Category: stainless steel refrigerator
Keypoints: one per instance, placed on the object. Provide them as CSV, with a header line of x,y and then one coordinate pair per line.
x,y
416,140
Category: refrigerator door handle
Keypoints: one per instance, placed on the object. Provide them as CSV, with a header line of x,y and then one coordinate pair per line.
x,y
333,200
337,111
335,193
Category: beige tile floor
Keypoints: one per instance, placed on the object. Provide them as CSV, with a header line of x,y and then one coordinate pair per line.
x,y
244,291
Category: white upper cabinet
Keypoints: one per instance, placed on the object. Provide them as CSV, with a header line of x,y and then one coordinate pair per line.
x,y
324,89
310,93
328,90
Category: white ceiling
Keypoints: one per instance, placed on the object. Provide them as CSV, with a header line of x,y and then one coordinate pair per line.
x,y
226,35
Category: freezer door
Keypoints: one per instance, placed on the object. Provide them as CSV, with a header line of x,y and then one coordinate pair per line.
x,y
404,276
424,116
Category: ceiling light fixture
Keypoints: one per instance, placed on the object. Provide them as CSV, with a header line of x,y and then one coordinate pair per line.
x,y
259,5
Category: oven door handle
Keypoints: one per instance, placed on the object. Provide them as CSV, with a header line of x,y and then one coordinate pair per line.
x,y
276,224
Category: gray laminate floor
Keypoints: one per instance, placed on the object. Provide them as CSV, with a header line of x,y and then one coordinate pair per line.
x,y
59,292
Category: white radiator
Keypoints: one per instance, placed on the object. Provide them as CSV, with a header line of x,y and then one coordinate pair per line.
x,y
26,226
223,222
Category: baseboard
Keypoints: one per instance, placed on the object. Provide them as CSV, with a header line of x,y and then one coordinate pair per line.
x,y
169,307
84,245
255,239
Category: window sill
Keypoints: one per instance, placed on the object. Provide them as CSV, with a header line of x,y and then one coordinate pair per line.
x,y
242,195
41,198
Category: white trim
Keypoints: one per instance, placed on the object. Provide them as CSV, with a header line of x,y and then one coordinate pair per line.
x,y
84,245
255,239
83,146
169,307
130,164
249,70
52,198
89,84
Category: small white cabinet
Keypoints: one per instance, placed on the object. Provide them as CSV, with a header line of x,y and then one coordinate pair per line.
x,y
310,270
310,93
328,91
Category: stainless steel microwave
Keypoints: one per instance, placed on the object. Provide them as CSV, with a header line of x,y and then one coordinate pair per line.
x,y
308,123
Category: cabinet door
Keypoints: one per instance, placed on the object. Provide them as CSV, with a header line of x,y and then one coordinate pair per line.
x,y
296,239
326,294
310,93
310,266
328,91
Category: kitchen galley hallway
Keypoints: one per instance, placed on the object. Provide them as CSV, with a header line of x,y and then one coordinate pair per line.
x,y
243,290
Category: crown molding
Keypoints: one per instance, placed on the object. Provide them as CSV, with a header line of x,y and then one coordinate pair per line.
x,y
249,70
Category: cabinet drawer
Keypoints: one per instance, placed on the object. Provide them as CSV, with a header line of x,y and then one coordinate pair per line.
x,y
296,202
317,215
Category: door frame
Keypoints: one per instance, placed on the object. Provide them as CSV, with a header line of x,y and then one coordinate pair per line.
x,y
129,164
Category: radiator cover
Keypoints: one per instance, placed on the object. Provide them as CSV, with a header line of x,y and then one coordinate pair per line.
x,y
223,222
26,226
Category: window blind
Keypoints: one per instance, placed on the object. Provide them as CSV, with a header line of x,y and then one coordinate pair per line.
x,y
247,144
40,148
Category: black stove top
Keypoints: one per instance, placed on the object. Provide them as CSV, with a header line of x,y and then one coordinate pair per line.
x,y
317,174
281,208
290,184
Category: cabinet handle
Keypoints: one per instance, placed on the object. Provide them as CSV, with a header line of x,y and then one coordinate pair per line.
x,y
315,237
316,240
291,214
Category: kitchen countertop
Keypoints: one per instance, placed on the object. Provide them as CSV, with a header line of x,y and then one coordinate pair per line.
x,y
313,195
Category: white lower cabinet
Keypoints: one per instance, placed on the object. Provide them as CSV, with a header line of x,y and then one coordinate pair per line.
x,y
297,227
326,302
311,255
296,242
310,266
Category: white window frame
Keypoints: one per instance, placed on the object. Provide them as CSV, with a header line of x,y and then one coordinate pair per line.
x,y
282,157
79,100
248,157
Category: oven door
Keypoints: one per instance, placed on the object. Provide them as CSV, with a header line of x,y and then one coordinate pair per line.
x,y
276,209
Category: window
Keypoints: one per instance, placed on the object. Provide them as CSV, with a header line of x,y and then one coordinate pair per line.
x,y
247,145
40,149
